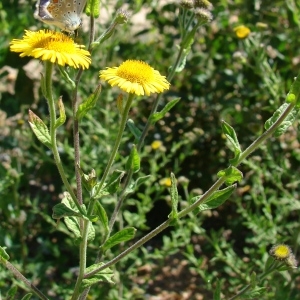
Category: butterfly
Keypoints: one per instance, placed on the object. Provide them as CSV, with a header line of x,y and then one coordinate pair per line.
x,y
64,14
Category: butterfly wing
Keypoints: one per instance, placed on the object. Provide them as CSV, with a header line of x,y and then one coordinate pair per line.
x,y
64,14
80,6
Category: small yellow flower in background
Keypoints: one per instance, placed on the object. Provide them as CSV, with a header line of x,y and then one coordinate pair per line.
x,y
53,46
280,252
242,31
135,77
166,182
156,145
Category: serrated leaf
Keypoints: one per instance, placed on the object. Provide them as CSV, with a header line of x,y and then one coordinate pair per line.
x,y
133,162
291,117
159,115
217,291
231,174
39,129
232,138
123,235
27,296
174,198
3,255
102,276
88,104
97,266
134,130
73,225
60,210
62,114
101,213
215,200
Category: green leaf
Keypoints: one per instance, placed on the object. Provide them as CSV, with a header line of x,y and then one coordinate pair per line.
x,y
93,8
113,183
253,280
291,117
269,263
3,255
255,293
101,213
11,294
174,198
39,129
102,276
123,235
133,162
65,74
27,296
73,226
294,93
232,138
215,200
135,184
88,104
60,210
134,130
88,180
91,233
62,114
217,291
159,115
231,174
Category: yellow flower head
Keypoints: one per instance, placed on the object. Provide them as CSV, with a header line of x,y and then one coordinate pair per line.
x,y
280,252
241,31
166,182
156,144
135,77
53,46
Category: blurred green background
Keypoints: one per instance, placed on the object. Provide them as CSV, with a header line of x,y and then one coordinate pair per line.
x,y
225,78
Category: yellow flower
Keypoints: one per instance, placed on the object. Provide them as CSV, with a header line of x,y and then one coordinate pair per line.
x,y
241,31
135,77
280,252
166,182
53,46
156,145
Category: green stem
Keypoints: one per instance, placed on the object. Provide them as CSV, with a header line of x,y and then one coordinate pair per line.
x,y
268,133
84,224
19,276
117,142
48,84
82,258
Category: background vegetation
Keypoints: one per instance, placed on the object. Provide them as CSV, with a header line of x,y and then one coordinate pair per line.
x,y
225,78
